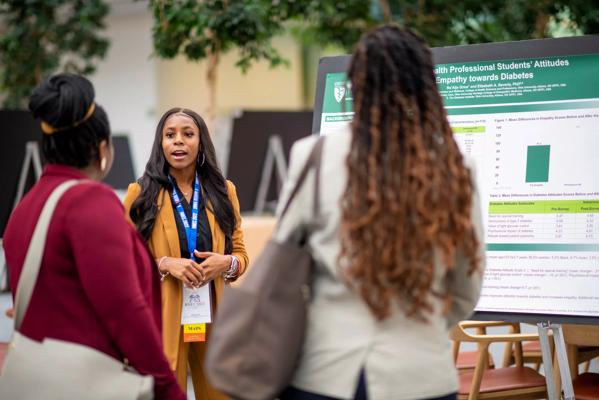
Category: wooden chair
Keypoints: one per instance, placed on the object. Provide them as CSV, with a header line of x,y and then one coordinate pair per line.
x,y
518,382
466,360
531,351
581,345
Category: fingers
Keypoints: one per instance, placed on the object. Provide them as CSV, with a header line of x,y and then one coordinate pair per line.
x,y
190,278
193,274
198,267
197,274
203,254
186,281
190,273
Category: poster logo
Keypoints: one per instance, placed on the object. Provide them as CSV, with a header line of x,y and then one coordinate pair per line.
x,y
339,91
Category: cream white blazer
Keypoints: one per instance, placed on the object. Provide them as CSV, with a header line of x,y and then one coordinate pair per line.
x,y
402,358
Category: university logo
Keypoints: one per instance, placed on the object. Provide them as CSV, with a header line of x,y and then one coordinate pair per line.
x,y
339,91
194,301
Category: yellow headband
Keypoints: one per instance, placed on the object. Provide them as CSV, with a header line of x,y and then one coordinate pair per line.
x,y
49,129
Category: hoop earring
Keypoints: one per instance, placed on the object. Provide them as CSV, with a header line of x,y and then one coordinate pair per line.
x,y
103,163
203,158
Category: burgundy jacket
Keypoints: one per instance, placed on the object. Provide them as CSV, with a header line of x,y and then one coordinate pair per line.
x,y
98,284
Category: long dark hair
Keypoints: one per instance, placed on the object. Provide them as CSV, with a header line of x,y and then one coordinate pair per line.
x,y
145,208
409,194
61,101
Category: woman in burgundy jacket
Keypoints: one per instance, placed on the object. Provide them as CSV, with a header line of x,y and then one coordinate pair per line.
x,y
98,284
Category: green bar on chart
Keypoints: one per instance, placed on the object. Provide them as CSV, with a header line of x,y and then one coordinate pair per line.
x,y
537,163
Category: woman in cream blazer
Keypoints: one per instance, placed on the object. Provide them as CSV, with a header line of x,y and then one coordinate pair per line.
x,y
398,242
182,149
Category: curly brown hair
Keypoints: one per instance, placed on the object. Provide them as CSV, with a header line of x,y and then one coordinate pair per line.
x,y
409,196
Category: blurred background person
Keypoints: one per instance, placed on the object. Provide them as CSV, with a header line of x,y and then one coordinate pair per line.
x,y
397,244
183,171
98,284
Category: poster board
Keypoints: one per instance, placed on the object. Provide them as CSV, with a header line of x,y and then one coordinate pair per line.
x,y
17,128
528,114
250,142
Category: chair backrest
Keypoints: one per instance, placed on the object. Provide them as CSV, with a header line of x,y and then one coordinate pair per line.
x,y
501,383
581,335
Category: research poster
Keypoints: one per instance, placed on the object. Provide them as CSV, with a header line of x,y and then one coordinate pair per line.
x,y
532,128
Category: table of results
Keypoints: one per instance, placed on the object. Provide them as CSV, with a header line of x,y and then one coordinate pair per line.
x,y
548,220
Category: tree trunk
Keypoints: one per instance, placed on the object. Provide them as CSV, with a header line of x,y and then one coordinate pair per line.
x,y
421,11
212,80
38,74
386,11
541,25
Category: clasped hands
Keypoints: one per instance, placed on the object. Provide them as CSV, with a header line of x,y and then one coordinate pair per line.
x,y
194,274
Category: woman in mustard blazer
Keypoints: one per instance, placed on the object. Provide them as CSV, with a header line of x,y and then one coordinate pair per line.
x,y
183,184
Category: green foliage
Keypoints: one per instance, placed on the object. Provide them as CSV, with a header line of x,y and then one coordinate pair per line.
x,y
444,22
584,14
40,37
198,29
204,29
337,23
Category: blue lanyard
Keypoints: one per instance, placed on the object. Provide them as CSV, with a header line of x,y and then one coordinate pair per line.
x,y
191,231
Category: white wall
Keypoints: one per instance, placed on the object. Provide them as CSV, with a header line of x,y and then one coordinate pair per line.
x,y
125,81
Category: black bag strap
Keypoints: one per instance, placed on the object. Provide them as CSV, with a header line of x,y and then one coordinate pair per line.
x,y
313,162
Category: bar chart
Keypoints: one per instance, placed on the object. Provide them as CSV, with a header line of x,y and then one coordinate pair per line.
x,y
537,163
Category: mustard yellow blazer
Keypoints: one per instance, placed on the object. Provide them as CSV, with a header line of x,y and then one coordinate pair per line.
x,y
164,241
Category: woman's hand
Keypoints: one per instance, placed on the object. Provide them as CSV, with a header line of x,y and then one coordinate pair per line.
x,y
214,264
187,271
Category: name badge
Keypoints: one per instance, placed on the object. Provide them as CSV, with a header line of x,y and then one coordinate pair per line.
x,y
197,311
196,305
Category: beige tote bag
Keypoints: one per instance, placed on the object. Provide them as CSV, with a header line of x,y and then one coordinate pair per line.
x,y
259,327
